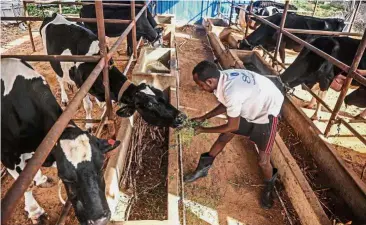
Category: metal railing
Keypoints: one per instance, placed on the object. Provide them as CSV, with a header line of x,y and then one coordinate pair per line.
x,y
21,184
351,70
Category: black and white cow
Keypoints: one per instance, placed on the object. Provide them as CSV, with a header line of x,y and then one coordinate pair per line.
x,y
262,8
146,26
28,111
311,69
267,36
62,37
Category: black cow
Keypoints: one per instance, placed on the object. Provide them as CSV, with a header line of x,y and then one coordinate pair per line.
x,y
146,26
311,69
267,36
28,111
61,37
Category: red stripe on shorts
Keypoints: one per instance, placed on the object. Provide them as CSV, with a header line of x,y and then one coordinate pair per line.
x,y
272,136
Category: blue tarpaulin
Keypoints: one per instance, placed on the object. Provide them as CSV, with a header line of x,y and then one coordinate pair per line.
x,y
192,12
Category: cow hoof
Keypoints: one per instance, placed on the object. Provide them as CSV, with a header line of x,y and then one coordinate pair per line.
x,y
49,183
315,118
359,117
42,220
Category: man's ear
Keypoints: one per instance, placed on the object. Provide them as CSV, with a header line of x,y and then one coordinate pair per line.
x,y
107,145
126,111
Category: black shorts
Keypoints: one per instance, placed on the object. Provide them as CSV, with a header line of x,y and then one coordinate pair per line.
x,y
263,135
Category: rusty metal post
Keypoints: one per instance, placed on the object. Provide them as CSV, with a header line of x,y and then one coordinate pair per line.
x,y
231,12
316,4
249,20
346,85
282,25
133,18
354,17
29,26
103,53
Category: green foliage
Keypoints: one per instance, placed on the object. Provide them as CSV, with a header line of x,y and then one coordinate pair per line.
x,y
43,11
186,132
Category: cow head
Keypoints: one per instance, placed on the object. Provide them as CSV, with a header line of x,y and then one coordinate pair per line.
x,y
80,157
152,105
244,45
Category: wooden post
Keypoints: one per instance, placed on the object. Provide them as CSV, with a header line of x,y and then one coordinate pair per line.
x,y
354,16
316,4
133,18
29,26
347,84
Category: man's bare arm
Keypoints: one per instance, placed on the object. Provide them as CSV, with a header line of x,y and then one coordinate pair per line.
x,y
220,109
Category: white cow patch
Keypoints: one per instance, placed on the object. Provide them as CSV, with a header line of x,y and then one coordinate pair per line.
x,y
77,150
148,91
11,67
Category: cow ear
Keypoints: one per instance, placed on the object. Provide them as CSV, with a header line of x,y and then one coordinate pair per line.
x,y
107,145
126,111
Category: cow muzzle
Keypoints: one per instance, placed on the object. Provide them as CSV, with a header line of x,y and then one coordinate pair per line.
x,y
179,120
101,221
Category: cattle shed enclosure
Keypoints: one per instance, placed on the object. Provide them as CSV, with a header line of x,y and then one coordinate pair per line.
x,y
212,200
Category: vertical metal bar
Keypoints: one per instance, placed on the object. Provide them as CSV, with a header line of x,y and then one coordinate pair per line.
x,y
231,12
103,53
354,17
316,4
29,26
249,20
346,85
60,8
133,18
282,25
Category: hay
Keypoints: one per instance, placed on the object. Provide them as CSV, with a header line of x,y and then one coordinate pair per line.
x,y
187,131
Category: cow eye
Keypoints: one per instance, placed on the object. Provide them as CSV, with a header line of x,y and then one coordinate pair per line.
x,y
149,104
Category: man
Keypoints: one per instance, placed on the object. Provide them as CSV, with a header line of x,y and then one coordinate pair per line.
x,y
252,103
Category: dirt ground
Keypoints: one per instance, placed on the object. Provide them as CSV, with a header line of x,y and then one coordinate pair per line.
x,y
230,193
47,197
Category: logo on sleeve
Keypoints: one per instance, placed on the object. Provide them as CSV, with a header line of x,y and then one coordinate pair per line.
x,y
234,74
246,78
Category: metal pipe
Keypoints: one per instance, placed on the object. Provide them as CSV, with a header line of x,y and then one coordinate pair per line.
x,y
358,135
231,12
80,3
55,58
316,4
103,53
282,25
327,107
88,20
133,18
131,59
347,84
65,210
322,32
249,20
21,184
29,27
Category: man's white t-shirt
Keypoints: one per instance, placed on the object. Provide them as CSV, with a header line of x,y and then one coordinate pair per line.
x,y
249,95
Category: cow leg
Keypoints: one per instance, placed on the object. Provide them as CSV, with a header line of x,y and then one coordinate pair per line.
x,y
322,95
64,98
35,212
282,51
88,106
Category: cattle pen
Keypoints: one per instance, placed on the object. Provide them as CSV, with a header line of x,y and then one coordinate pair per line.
x,y
300,196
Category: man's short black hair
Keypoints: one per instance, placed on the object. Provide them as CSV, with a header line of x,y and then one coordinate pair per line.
x,y
206,70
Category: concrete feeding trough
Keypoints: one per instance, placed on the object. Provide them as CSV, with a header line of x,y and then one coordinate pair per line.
x,y
168,22
165,19
253,61
157,67
217,25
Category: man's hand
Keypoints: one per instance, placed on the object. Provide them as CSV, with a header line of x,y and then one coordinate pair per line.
x,y
198,130
199,119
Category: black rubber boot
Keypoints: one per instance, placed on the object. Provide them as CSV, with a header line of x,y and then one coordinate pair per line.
x,y
267,192
204,165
